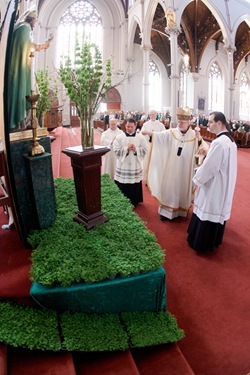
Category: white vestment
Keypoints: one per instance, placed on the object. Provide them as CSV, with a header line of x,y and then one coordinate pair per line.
x,y
169,174
216,180
150,126
129,164
109,159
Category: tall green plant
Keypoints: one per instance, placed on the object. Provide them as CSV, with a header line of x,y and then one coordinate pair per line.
x,y
86,82
47,95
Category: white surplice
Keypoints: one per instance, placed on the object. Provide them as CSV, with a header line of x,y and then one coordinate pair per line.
x,y
150,126
129,164
109,159
216,180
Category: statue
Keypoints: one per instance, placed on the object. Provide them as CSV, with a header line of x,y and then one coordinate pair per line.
x,y
20,72
171,17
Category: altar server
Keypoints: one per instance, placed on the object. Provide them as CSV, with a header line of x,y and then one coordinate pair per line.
x,y
130,149
215,181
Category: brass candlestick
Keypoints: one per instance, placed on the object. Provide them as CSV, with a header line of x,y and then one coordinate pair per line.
x,y
36,148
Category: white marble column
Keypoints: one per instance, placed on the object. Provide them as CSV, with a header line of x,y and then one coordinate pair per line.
x,y
173,32
230,68
145,93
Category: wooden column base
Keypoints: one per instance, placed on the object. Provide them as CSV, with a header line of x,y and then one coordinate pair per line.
x,y
92,220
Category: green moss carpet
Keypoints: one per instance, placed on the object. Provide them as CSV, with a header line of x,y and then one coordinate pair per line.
x,y
66,253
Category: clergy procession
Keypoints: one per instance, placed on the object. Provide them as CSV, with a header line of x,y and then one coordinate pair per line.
x,y
166,160
166,151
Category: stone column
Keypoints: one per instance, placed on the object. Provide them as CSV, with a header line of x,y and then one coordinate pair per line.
x,y
173,32
145,93
230,70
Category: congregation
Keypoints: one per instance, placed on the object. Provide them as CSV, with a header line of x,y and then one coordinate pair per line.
x,y
239,130
139,117
165,118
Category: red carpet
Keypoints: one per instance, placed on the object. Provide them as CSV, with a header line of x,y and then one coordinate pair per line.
x,y
207,294
15,264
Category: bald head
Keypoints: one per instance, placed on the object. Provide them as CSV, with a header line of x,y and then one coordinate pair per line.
x,y
152,115
113,124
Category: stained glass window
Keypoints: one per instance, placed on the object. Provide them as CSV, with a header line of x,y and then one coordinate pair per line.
x,y
81,21
215,89
244,110
154,86
183,86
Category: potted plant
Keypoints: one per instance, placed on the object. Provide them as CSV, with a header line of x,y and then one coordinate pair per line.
x,y
86,82
46,95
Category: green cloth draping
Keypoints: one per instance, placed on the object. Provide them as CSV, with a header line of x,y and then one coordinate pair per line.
x,y
145,292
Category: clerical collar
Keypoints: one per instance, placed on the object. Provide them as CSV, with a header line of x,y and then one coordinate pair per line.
x,y
225,133
183,133
130,135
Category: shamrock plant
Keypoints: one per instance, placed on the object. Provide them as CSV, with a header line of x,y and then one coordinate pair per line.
x,y
48,92
87,81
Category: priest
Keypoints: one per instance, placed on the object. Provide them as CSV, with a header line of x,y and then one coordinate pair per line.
x,y
150,126
130,149
109,160
172,166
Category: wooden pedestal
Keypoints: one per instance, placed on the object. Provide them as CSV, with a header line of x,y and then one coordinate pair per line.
x,y
86,164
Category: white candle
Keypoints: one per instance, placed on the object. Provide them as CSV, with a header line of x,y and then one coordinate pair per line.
x,y
32,70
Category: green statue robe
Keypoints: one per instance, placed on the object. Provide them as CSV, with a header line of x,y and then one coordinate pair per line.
x,y
19,83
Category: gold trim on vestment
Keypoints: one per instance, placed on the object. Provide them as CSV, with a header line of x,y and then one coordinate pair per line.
x,y
180,139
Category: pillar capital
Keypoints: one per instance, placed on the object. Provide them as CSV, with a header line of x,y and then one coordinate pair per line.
x,y
172,30
229,48
146,47
195,76
129,59
174,76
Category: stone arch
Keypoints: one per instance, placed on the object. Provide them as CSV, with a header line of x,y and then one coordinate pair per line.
x,y
131,34
218,14
149,21
113,100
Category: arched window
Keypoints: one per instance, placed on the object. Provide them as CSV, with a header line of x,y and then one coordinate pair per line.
x,y
215,89
183,86
80,20
154,86
244,111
